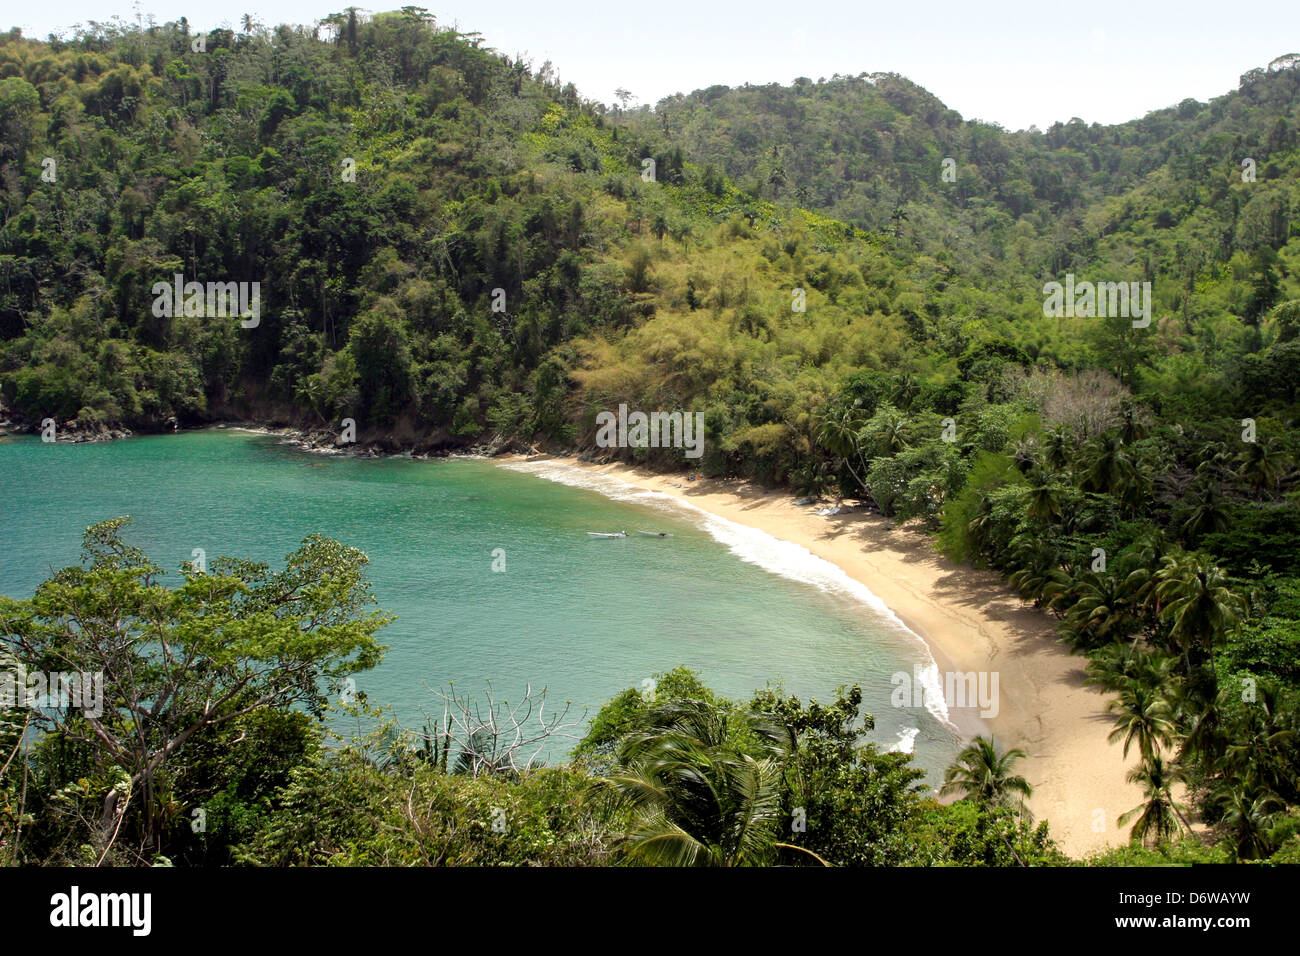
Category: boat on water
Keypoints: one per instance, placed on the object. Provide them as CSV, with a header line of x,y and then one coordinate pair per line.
x,y
654,534
605,534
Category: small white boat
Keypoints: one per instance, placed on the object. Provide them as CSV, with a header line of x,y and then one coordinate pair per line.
x,y
654,534
602,534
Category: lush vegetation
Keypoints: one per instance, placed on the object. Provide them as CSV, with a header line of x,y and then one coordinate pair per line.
x,y
212,747
453,248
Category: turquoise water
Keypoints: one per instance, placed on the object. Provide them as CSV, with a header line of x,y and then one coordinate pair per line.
x,y
583,618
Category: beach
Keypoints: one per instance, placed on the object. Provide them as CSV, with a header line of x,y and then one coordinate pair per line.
x,y
972,622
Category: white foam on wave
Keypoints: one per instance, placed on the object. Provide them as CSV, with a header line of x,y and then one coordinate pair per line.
x,y
770,553
906,742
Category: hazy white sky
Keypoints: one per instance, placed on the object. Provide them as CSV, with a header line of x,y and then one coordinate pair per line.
x,y
1015,63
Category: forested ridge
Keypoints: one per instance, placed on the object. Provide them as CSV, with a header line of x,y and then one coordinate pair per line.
x,y
453,247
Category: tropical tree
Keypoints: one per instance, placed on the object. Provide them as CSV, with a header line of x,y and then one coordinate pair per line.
x,y
983,775
694,797
1044,501
1262,465
854,805
1196,602
1205,512
1260,735
13,729
1100,607
1131,426
1135,484
1037,561
1058,446
1158,818
1106,463
1121,663
1250,811
1142,713
886,433
178,663
837,432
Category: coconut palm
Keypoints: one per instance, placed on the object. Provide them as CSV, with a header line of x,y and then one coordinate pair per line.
x,y
980,526
1122,663
694,797
906,390
1262,465
1135,485
1250,812
1101,607
1158,818
1261,734
1044,502
838,432
1213,461
1195,600
983,775
1143,714
887,432
1058,445
1037,560
1205,512
1106,463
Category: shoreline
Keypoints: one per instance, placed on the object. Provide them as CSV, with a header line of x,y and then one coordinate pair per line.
x,y
967,618
970,621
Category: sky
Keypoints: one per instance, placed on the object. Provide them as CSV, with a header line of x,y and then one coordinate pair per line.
x,y
1014,63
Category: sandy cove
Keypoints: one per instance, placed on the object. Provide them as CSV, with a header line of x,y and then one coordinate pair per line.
x,y
972,622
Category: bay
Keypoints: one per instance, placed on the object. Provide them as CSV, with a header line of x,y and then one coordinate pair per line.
x,y
582,618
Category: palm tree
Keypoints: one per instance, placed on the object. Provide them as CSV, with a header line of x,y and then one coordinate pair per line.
x,y
1261,734
1142,713
1194,598
887,432
1121,663
838,432
1262,465
906,390
1037,562
1101,608
980,526
983,775
1249,812
1136,566
1044,502
1158,818
1027,455
1204,740
694,797
1057,446
1205,513
1135,484
1215,462
1106,463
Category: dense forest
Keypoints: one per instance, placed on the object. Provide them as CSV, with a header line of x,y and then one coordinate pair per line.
x,y
844,276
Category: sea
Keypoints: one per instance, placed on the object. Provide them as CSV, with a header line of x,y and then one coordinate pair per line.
x,y
496,586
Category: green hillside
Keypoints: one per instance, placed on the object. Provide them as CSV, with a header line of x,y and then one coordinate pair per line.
x,y
453,249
